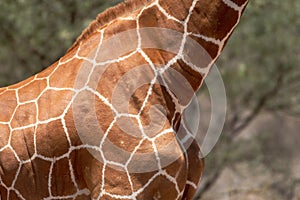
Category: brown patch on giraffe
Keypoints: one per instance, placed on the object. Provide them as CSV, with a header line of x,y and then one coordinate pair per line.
x,y
177,169
83,197
33,179
88,47
107,197
32,90
104,114
91,118
123,137
141,179
2,90
46,72
77,167
169,150
81,78
5,133
116,71
51,140
22,141
3,192
152,17
22,83
25,115
48,106
208,17
179,10
158,106
69,55
159,188
143,163
193,153
146,147
194,78
137,99
62,184
13,195
118,26
180,175
88,169
70,77
165,139
8,104
211,49
195,168
116,182
8,166
70,125
159,57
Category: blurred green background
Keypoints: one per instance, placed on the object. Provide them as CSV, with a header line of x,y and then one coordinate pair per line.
x,y
257,156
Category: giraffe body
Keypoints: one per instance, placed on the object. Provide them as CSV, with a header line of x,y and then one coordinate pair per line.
x,y
50,147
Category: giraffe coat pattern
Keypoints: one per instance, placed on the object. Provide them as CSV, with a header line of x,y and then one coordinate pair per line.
x,y
43,118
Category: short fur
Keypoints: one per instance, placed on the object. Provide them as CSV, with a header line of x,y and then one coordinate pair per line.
x,y
109,15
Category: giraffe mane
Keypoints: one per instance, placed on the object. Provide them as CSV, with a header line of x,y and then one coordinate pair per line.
x,y
110,14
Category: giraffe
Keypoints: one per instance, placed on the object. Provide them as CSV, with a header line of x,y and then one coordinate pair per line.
x,y
42,153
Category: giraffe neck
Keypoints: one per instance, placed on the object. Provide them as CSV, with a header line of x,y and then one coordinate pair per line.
x,y
208,23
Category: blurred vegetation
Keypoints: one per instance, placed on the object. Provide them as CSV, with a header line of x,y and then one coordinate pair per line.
x,y
263,59
36,33
259,66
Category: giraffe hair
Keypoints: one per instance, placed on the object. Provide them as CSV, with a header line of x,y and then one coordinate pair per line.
x,y
109,15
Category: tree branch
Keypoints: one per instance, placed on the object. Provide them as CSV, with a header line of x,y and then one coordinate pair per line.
x,y
261,103
208,184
